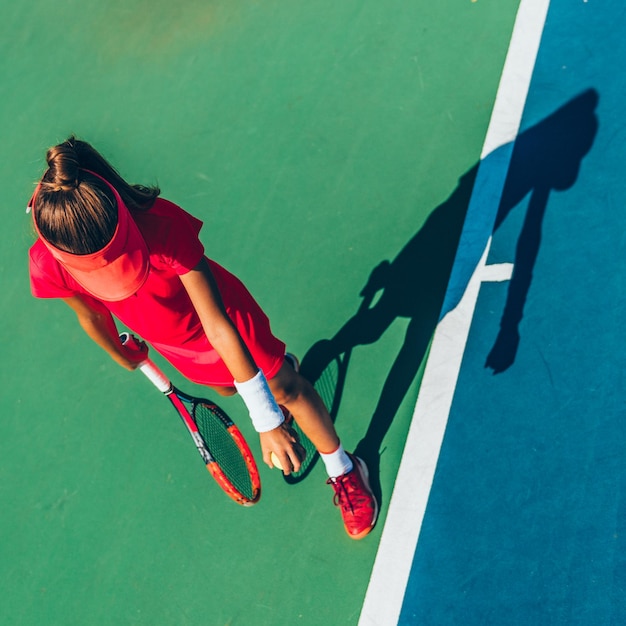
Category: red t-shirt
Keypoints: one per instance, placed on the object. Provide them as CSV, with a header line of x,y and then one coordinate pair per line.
x,y
161,311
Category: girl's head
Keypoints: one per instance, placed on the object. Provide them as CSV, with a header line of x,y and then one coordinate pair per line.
x,y
76,211
81,213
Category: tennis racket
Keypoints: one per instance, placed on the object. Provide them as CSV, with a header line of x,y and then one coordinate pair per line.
x,y
329,385
218,440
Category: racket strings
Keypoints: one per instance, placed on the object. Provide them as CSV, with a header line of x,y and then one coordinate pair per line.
x,y
326,384
328,387
224,449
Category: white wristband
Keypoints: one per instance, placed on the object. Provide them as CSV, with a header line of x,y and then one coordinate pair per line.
x,y
264,411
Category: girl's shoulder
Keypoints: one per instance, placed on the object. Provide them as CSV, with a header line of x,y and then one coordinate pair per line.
x,y
40,256
48,279
164,217
172,235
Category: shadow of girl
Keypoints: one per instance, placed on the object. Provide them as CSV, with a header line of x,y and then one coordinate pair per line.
x,y
546,156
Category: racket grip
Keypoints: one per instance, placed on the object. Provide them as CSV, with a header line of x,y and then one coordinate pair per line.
x,y
147,367
156,376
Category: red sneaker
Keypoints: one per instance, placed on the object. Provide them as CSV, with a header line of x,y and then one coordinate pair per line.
x,y
353,494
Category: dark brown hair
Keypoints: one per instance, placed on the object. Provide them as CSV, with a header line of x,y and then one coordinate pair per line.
x,y
75,211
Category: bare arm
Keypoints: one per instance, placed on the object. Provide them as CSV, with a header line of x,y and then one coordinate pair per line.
x,y
218,327
97,322
225,338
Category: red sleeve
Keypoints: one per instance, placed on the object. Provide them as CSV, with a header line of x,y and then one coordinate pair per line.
x,y
47,278
172,233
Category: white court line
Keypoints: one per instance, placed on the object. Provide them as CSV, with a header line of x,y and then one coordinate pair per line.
x,y
385,593
496,273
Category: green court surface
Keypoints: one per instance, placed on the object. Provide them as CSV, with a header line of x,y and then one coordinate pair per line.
x,y
314,140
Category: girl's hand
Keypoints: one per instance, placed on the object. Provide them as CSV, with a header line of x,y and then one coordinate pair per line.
x,y
131,357
283,442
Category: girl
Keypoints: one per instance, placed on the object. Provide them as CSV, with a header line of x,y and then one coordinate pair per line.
x,y
106,248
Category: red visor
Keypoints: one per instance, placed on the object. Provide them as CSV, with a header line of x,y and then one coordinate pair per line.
x,y
118,270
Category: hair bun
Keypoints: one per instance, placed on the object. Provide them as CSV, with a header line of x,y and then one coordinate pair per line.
x,y
63,167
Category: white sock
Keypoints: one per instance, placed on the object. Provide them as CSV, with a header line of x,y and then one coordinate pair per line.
x,y
337,463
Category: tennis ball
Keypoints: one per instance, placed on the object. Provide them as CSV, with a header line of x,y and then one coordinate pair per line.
x,y
275,462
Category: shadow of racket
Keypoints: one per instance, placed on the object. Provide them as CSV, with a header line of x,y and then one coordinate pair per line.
x,y
329,386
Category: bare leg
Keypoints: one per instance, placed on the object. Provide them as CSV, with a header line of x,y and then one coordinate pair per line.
x,y
299,396
347,475
224,391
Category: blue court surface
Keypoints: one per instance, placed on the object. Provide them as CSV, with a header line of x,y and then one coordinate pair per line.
x,y
512,487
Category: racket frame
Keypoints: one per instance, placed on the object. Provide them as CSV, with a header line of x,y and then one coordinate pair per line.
x,y
179,399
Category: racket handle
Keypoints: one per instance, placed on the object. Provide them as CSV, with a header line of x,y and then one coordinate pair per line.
x,y
147,367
